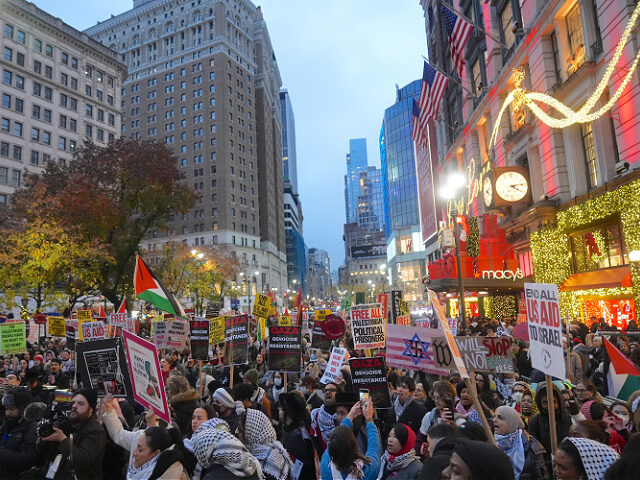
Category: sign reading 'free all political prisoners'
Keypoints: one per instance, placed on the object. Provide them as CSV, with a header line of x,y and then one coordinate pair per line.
x,y
545,328
368,325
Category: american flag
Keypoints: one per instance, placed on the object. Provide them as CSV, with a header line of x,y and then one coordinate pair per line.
x,y
415,121
458,31
433,86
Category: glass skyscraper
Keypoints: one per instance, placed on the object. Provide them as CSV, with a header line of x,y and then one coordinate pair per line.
x,y
356,163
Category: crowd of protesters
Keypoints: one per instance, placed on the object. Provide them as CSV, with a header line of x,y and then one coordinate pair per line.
x,y
252,423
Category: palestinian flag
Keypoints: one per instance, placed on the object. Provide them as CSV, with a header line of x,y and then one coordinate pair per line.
x,y
151,289
623,377
123,306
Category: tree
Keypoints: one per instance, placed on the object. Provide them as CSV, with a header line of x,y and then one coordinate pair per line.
x,y
114,195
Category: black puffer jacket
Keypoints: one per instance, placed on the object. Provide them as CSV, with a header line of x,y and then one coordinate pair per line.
x,y
433,467
535,465
17,448
539,424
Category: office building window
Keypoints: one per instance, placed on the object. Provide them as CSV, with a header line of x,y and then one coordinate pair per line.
x,y
575,38
590,159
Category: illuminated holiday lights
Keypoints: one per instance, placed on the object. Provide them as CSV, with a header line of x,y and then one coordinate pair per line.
x,y
570,117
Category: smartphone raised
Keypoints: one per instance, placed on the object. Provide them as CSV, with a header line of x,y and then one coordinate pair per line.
x,y
364,396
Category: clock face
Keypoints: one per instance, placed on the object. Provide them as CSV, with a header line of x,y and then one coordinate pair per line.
x,y
487,191
512,186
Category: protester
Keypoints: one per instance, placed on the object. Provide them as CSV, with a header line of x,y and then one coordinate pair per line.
x,y
225,407
399,461
628,465
612,425
421,397
244,392
464,406
201,415
260,365
472,460
56,377
539,424
444,394
323,419
183,400
441,439
586,391
622,410
17,449
252,377
582,458
276,389
406,410
295,437
308,386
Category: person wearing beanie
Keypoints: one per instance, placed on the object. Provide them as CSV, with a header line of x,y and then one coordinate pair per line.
x,y
399,461
615,432
294,435
89,440
252,377
526,453
474,460
225,408
18,446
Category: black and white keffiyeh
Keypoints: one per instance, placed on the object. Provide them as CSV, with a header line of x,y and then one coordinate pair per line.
x,y
263,444
213,444
323,421
596,457
394,464
399,408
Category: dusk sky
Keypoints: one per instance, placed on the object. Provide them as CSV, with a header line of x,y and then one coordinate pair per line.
x,y
340,61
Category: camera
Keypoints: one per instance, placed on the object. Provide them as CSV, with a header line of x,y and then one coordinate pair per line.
x,y
57,413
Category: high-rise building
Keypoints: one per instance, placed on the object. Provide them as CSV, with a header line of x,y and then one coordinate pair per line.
x,y
405,251
59,87
203,79
318,273
356,162
289,158
370,205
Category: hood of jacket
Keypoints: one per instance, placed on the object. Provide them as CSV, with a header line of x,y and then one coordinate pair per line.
x,y
541,393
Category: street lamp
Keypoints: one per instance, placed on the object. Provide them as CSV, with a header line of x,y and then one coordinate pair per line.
x,y
198,256
455,182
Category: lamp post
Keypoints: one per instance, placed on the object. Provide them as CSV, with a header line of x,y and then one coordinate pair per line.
x,y
453,183
198,258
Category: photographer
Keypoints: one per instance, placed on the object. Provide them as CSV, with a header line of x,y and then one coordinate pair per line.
x,y
18,436
83,458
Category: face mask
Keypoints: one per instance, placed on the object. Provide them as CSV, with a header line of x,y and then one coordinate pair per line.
x,y
312,357
277,382
517,396
304,390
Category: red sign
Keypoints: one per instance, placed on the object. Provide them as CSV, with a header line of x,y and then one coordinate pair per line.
x,y
333,327
426,191
40,318
383,299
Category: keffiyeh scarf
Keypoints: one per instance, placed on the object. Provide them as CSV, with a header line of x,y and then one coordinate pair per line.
x,y
465,412
214,445
326,423
596,457
263,444
392,463
142,472
399,408
356,472
512,445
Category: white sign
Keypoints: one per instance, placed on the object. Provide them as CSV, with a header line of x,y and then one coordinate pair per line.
x,y
118,319
368,325
176,338
93,331
336,360
545,328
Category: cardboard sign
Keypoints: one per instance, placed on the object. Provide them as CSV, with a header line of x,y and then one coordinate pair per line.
x,y
93,331
383,299
159,334
285,347
323,313
411,348
396,297
451,342
368,326
371,374
216,330
332,372
284,321
13,338
545,328
480,354
102,365
403,320
56,326
118,319
176,337
262,306
403,307
319,339
84,315
199,329
236,337
213,309
146,378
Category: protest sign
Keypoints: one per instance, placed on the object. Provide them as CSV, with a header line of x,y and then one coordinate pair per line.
x,y
213,309
146,377
118,319
176,337
440,312
545,328
159,334
102,366
71,333
216,330
411,348
319,339
396,298
199,329
368,326
56,326
371,374
261,305
13,339
83,315
480,354
403,320
333,327
93,331
322,313
236,337
383,299
284,321
360,298
285,349
332,372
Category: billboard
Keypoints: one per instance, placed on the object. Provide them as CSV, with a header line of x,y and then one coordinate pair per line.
x,y
362,251
424,180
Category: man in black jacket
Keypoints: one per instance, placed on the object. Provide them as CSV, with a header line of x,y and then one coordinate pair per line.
x,y
17,435
441,439
56,377
405,410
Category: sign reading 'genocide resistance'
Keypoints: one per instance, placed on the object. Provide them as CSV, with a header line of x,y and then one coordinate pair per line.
x,y
236,337
368,326
371,374
480,354
545,328
284,349
199,329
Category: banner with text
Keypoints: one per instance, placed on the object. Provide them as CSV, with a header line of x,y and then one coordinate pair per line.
x,y
332,372
199,336
93,331
285,347
368,326
262,305
176,336
480,354
102,366
236,339
13,338
216,330
118,319
371,374
56,326
411,348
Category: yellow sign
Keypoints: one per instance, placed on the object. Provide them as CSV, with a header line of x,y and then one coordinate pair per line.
x,y
57,327
159,318
262,306
83,315
284,321
404,307
322,314
216,330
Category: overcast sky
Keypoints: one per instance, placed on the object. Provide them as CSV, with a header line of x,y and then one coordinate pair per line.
x,y
340,61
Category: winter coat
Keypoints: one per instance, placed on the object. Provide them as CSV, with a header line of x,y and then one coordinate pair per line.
x,y
433,467
370,470
412,416
17,448
218,472
89,442
539,424
535,465
299,445
410,472
183,404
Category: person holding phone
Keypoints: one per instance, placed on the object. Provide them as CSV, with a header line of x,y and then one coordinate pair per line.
x,y
444,394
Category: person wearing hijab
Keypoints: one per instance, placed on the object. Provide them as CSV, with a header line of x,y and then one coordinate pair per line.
x,y
473,460
526,453
257,433
399,461
582,459
222,455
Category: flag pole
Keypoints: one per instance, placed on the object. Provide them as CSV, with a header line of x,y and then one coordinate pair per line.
x,y
454,80
468,20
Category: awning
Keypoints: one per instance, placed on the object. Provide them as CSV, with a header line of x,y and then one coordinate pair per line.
x,y
605,278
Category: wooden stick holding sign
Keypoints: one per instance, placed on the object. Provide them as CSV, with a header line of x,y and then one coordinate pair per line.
x,y
552,415
286,381
471,385
231,377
